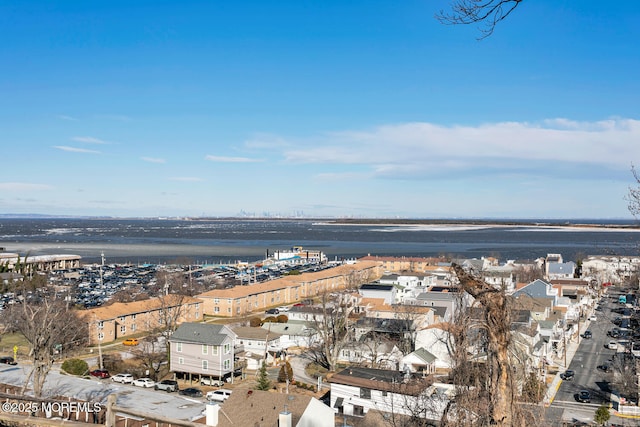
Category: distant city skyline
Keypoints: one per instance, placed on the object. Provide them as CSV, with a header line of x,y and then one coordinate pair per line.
x,y
331,109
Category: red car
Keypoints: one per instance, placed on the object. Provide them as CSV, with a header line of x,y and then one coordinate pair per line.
x,y
100,373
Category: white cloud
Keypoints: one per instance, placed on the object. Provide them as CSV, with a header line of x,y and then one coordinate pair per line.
x,y
23,186
153,160
88,140
186,179
223,159
557,146
65,117
75,149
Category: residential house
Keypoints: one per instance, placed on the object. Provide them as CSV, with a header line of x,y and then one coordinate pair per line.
x,y
436,339
420,360
202,350
125,319
251,408
257,340
356,390
372,353
376,290
308,313
292,334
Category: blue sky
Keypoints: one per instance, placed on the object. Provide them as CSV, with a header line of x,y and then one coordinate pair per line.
x,y
332,108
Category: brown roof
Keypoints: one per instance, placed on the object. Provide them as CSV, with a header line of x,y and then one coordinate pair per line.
x,y
381,379
250,408
249,333
286,282
125,308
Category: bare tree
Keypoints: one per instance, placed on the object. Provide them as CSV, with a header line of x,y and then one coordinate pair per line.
x,y
486,13
332,332
152,356
49,326
633,197
172,309
495,383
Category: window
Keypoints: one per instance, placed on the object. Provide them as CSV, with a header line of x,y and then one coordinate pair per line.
x,y
100,324
228,300
122,318
238,310
179,347
358,410
133,327
123,328
216,300
228,309
365,393
205,365
384,393
100,335
226,364
205,349
180,360
227,348
216,310
133,317
214,351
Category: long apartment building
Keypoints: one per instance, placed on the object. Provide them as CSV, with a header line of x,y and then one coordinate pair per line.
x,y
255,298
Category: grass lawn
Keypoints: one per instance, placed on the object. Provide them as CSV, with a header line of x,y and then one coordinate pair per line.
x,y
7,341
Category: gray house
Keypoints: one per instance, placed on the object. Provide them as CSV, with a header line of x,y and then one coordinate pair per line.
x,y
202,350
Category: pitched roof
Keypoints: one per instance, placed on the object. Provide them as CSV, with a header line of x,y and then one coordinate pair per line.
x,y
424,355
126,308
201,333
251,408
249,333
382,379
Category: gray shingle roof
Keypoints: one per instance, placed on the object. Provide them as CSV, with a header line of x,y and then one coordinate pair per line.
x,y
201,333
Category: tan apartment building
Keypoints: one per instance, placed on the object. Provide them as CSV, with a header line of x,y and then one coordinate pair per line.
x,y
244,300
119,320
393,264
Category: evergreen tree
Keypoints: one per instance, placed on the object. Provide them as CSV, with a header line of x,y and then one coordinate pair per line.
x,y
263,383
602,415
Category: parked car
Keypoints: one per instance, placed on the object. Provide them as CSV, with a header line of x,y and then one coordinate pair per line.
x,y
167,385
593,318
130,341
584,396
211,382
272,311
122,378
100,373
612,345
191,392
8,360
219,395
567,375
604,367
587,335
144,382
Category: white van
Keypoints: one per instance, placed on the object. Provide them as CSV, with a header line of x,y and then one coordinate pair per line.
x,y
219,395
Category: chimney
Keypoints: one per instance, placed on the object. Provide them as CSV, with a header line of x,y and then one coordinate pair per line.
x,y
285,418
212,411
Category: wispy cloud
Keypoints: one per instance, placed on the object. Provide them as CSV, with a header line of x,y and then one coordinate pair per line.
x,y
419,150
88,140
186,179
223,159
23,186
75,149
153,160
65,117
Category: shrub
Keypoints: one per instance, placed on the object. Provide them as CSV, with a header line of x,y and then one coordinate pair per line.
x,y
75,366
270,319
282,318
286,372
255,322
